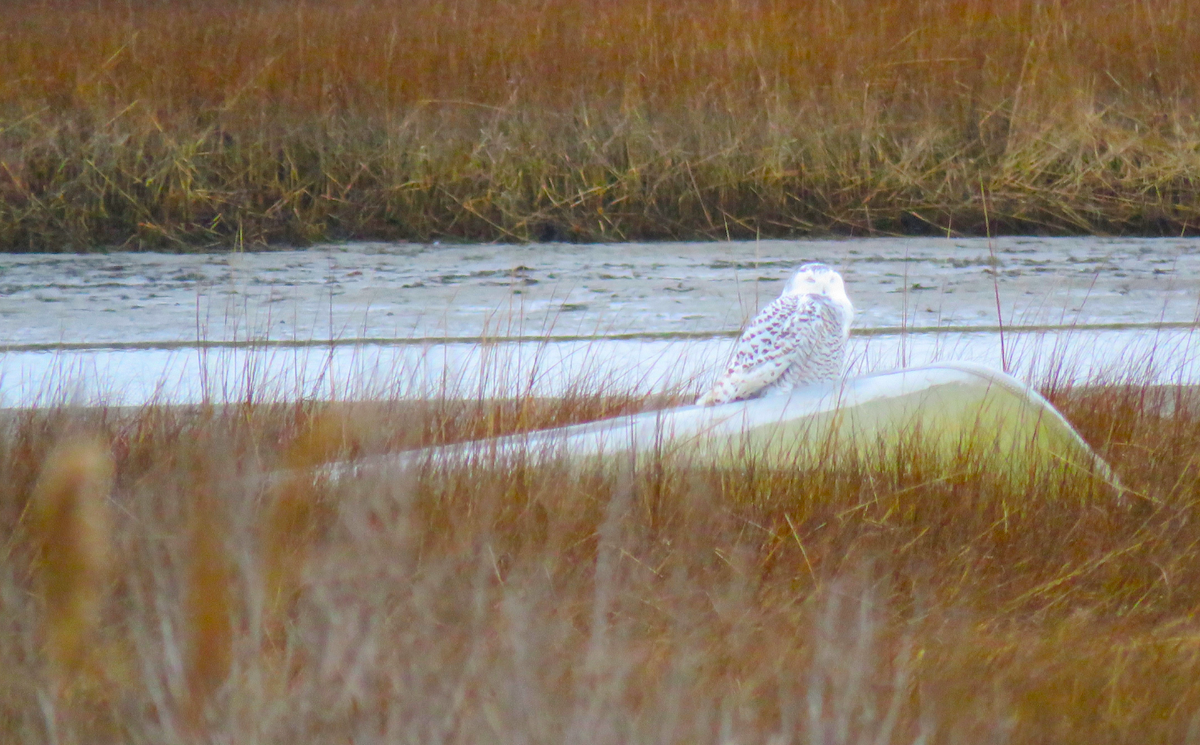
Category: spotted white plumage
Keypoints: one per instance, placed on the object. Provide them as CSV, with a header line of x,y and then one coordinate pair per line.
x,y
799,338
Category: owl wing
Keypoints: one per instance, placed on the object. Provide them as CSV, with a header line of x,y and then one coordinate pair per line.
x,y
778,335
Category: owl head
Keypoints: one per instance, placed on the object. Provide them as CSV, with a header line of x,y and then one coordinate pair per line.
x,y
816,279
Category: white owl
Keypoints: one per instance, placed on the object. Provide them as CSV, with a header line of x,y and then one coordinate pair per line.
x,y
799,338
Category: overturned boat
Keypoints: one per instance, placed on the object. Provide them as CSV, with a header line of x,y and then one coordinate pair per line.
x,y
948,408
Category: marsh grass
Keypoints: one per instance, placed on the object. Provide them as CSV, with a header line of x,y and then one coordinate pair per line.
x,y
69,523
859,597
248,122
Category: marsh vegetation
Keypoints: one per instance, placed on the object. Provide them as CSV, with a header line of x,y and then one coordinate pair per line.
x,y
176,574
248,122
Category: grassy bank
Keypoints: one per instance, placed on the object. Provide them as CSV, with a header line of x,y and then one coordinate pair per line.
x,y
244,123
155,589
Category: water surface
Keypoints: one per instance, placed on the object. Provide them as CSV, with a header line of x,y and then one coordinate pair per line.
x,y
401,319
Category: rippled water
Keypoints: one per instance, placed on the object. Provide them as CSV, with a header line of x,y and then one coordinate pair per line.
x,y
123,328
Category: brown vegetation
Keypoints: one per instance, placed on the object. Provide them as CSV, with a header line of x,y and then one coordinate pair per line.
x,y
246,122
886,599
70,526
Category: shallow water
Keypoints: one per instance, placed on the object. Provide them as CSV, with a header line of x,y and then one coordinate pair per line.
x,y
386,305
405,291
135,377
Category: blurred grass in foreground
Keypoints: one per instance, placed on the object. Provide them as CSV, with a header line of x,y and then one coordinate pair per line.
x,y
245,122
877,599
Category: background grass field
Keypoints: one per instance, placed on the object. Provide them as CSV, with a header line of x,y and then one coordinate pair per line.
x,y
157,587
245,122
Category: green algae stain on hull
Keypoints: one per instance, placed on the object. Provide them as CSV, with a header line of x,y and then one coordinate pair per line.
x,y
950,411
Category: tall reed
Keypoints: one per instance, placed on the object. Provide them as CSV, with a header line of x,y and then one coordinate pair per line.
x,y
208,608
71,527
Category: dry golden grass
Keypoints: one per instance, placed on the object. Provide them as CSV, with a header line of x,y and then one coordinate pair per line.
x,y
70,525
881,599
244,122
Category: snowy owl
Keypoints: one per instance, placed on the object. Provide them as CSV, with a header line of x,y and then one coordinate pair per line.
x,y
799,338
